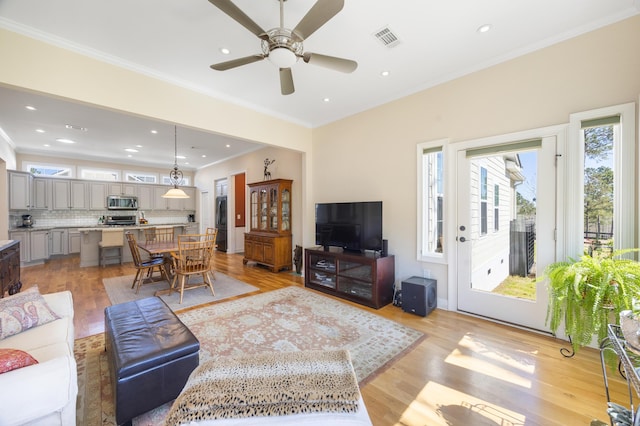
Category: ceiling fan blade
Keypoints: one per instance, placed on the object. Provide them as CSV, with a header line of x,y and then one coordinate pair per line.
x,y
317,16
331,62
223,66
286,81
240,17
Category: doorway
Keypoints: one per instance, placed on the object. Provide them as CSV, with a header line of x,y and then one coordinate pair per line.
x,y
505,234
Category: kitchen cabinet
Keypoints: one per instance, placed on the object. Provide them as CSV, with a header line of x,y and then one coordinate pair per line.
x,y
160,203
58,242
269,239
145,197
122,189
189,203
69,195
19,190
39,245
23,237
97,195
40,194
74,241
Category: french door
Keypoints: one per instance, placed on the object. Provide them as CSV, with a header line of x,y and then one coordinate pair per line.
x,y
506,223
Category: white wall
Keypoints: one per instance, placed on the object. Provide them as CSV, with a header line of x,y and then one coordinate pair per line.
x,y
369,156
372,155
288,165
7,162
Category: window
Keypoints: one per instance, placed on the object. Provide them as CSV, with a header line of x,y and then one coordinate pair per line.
x,y
496,208
431,192
50,170
167,181
140,177
483,201
601,156
100,174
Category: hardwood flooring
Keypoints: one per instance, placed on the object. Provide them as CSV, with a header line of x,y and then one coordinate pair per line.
x,y
468,371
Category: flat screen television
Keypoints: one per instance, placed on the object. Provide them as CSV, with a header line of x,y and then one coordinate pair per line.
x,y
355,226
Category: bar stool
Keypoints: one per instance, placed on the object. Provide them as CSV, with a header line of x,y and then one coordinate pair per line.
x,y
112,241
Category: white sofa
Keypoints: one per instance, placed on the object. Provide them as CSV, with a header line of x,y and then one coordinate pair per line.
x,y
44,393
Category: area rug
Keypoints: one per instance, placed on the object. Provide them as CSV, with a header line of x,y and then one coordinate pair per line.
x,y
285,320
119,291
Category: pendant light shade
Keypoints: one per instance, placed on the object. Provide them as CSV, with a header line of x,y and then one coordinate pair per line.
x,y
175,175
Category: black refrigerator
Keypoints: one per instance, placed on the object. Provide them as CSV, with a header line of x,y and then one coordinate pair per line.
x,y
221,222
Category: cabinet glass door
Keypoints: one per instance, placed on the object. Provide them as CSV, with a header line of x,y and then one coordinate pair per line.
x,y
273,209
286,210
254,210
264,210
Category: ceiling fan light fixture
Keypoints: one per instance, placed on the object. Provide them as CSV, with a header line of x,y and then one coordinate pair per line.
x,y
282,57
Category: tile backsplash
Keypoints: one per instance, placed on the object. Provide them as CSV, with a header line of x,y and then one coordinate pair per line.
x,y
82,218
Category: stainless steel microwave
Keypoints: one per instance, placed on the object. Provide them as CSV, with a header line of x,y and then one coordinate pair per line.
x,y
122,202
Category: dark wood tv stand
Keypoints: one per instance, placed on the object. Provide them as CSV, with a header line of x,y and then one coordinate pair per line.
x,y
362,278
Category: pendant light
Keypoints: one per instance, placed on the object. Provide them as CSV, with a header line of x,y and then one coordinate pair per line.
x,y
175,175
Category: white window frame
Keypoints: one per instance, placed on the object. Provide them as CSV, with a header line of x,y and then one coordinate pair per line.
x,y
624,162
128,174
423,254
166,180
28,166
83,171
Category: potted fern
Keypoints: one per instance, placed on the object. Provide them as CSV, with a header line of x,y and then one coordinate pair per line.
x,y
589,293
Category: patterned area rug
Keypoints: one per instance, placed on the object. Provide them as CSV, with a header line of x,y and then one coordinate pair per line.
x,y
285,320
119,291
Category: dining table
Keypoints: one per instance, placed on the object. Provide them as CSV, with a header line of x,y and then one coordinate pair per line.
x,y
164,248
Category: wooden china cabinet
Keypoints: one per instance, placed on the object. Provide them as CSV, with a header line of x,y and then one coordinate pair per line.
x,y
269,240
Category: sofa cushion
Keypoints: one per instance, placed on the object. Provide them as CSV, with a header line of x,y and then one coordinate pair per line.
x,y
10,359
23,311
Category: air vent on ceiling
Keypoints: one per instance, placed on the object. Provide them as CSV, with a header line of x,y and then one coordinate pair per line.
x,y
387,37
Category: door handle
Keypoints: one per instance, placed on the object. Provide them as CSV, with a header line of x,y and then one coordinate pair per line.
x,y
462,239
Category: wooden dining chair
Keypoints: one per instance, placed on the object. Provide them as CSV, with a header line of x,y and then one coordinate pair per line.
x,y
212,234
144,267
193,258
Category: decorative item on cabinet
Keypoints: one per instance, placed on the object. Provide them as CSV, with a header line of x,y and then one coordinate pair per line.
x,y
269,240
267,173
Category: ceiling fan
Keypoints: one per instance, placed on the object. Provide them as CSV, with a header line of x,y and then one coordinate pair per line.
x,y
283,46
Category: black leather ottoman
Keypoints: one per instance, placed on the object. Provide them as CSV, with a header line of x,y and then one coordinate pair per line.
x,y
151,354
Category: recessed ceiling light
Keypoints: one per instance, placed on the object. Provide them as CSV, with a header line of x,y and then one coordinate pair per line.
x,y
155,132
74,127
204,156
131,150
181,157
30,108
228,146
385,73
138,146
129,155
47,145
327,100
224,51
39,130
484,28
63,140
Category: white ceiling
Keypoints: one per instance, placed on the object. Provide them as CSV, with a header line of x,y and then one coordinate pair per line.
x,y
177,40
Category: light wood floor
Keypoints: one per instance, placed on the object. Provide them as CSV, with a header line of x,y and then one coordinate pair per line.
x,y
467,371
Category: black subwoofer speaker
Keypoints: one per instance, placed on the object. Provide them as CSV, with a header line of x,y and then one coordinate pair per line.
x,y
419,295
